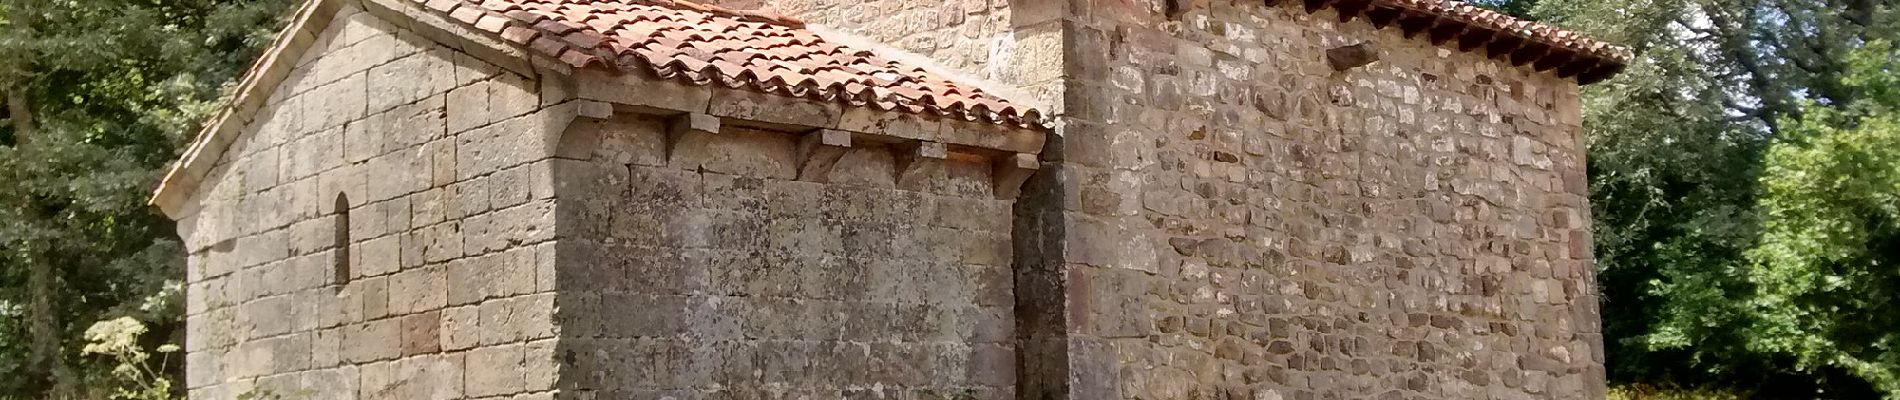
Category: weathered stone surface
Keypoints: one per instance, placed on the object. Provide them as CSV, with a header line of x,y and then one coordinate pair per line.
x,y
747,277
1300,223
1224,215
281,309
969,35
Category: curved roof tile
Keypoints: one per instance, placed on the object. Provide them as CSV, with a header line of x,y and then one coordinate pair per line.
x,y
703,45
1496,34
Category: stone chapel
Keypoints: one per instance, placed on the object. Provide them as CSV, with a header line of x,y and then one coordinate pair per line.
x,y
896,199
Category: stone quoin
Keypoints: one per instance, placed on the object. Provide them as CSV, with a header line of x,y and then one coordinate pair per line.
x,y
896,199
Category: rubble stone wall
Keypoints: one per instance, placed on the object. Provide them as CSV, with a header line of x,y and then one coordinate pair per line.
x,y
711,272
960,34
448,293
1229,217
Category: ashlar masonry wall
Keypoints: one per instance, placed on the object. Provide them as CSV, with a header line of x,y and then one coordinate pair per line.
x,y
440,163
717,271
1229,217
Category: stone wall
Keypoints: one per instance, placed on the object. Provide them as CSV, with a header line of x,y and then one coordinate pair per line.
x,y
1221,216
712,272
960,34
1228,217
447,246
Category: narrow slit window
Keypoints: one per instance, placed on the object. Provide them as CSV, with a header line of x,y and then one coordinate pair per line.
x,y
342,240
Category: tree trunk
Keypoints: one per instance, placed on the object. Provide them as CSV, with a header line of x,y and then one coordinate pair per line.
x,y
45,329
21,114
44,325
43,311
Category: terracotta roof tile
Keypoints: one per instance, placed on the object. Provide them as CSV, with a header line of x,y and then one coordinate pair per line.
x,y
702,44
1496,34
1481,17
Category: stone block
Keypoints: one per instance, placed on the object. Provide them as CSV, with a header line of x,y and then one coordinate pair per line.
x,y
203,369
418,290
315,152
410,79
772,109
443,162
331,383
900,125
432,377
375,257
326,348
756,154
362,141
371,296
870,167
261,170
517,318
372,341
440,242
461,328
541,362
268,316
502,371
343,101
661,315
504,144
645,93
421,333
506,274
622,140
467,107
510,187
1108,244
411,124
511,95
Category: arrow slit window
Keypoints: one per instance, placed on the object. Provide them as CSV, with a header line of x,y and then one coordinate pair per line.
x,y
342,244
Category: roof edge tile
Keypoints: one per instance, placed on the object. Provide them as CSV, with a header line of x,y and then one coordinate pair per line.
x,y
1534,44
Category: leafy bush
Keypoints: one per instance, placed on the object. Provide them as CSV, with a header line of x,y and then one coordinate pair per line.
x,y
1649,392
118,340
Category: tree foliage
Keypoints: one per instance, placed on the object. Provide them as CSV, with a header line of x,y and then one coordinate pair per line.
x,y
1827,286
113,87
1516,8
1679,145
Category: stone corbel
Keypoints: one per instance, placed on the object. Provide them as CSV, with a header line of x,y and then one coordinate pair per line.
x,y
819,151
1351,56
688,135
1010,172
915,164
594,109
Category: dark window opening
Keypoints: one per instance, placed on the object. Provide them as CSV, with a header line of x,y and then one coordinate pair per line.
x,y
342,240
1173,9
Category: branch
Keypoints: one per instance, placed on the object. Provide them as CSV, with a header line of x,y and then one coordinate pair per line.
x,y
1774,100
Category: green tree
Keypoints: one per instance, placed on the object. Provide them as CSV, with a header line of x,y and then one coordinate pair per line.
x,y
100,94
1516,8
1677,143
1827,286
